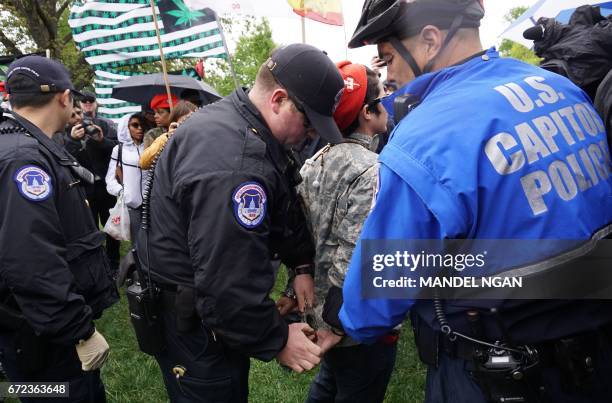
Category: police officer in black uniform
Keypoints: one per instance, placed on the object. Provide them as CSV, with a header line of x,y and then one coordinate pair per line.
x,y
54,276
223,202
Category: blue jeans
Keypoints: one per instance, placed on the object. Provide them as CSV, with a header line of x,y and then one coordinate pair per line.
x,y
354,374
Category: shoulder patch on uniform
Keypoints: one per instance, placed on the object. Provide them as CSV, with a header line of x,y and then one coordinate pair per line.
x,y
249,201
33,183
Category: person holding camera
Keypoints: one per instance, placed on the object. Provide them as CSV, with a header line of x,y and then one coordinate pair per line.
x,y
92,146
89,106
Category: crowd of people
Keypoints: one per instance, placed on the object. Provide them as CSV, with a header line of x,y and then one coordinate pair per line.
x,y
301,169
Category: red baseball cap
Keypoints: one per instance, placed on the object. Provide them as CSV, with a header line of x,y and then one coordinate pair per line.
x,y
353,97
161,101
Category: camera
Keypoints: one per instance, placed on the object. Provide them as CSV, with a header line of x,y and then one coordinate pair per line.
x,y
88,126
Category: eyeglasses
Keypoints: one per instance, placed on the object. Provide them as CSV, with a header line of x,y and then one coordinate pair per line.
x,y
300,108
135,125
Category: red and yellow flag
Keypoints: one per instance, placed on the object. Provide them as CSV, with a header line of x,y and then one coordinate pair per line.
x,y
325,11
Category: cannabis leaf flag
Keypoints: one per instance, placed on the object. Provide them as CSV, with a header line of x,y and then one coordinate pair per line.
x,y
114,33
325,11
109,107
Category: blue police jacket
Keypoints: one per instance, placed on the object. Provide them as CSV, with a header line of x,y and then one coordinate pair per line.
x,y
497,149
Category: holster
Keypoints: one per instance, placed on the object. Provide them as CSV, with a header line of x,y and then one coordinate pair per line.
x,y
186,317
575,357
426,340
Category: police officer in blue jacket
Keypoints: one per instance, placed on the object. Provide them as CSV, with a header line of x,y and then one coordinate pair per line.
x,y
488,148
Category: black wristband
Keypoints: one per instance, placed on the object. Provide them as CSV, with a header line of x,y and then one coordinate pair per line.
x,y
304,269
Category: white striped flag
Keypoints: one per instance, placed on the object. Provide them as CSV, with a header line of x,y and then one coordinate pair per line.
x,y
114,33
109,107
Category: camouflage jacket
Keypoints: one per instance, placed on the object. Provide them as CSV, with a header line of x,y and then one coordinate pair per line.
x,y
336,192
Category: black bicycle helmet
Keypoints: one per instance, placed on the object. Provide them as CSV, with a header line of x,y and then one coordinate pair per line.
x,y
381,19
394,20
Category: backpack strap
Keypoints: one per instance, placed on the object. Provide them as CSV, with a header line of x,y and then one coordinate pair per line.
x,y
120,156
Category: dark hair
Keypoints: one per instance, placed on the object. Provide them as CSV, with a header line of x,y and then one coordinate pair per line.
x,y
31,99
144,123
372,92
192,96
181,109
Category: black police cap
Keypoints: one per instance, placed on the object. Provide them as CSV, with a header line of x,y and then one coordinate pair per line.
x,y
49,76
309,76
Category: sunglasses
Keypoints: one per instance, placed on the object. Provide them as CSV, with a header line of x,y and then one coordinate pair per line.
x,y
88,101
300,108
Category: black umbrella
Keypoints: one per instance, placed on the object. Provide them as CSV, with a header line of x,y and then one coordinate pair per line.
x,y
141,89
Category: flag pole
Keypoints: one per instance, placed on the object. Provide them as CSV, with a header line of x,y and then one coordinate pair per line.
x,y
303,19
161,54
229,57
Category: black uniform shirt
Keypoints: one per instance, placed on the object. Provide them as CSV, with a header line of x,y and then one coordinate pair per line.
x,y
52,263
222,204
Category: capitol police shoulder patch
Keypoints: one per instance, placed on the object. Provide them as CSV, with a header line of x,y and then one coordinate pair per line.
x,y
249,201
33,183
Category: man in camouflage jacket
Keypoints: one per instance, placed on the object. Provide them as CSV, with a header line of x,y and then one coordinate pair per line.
x,y
338,188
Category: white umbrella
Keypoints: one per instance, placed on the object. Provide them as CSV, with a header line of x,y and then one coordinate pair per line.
x,y
559,9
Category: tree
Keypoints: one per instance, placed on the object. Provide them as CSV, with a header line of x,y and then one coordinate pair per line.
x,y
253,47
37,19
513,49
28,26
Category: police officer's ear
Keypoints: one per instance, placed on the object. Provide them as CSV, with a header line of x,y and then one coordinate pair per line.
x,y
430,41
277,98
65,99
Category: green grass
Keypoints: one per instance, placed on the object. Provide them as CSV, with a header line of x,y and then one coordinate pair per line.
x,y
131,376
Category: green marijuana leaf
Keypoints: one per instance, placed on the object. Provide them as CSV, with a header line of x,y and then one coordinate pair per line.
x,y
184,15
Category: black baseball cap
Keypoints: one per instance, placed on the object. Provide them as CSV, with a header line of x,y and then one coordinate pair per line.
x,y
50,75
88,96
310,77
